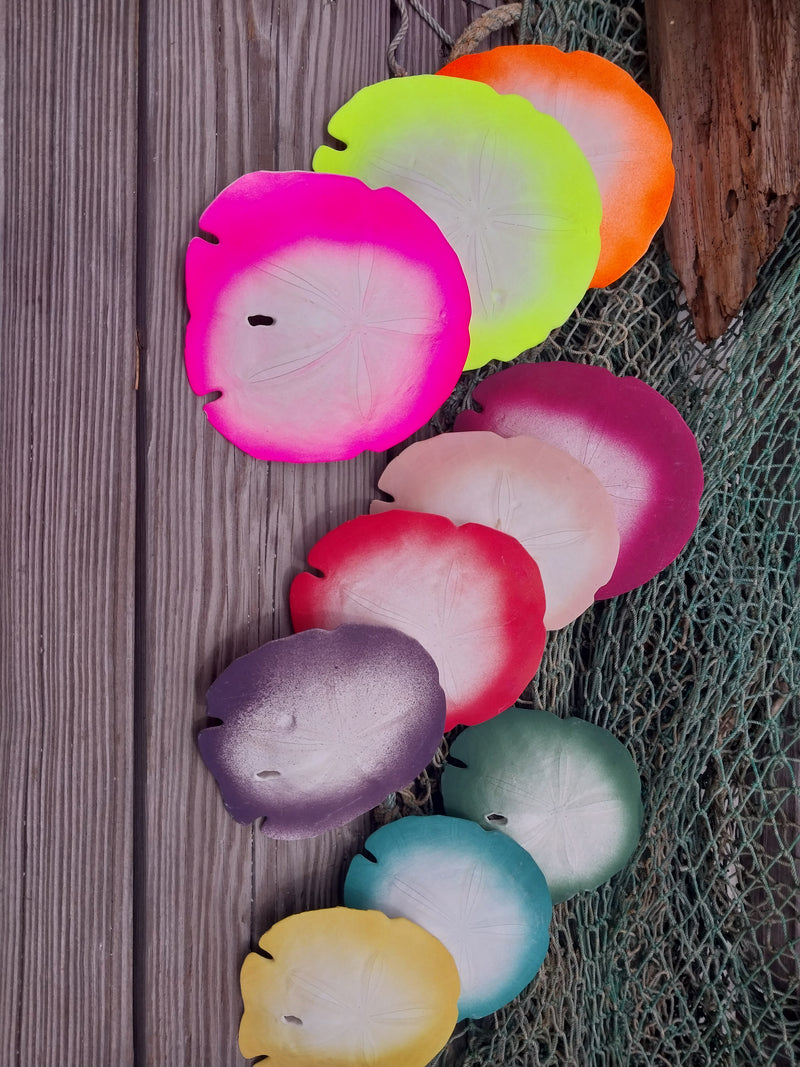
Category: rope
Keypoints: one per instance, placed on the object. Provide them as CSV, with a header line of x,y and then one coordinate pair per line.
x,y
391,52
526,22
497,18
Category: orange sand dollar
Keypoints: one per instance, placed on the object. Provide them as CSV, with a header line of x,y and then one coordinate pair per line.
x,y
616,124
342,986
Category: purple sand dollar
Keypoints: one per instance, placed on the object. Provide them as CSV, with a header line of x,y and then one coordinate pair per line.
x,y
319,727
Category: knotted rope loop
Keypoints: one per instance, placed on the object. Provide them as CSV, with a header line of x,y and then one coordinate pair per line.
x,y
489,22
498,18
391,53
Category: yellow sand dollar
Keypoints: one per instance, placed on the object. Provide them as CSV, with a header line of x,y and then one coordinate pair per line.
x,y
507,185
341,987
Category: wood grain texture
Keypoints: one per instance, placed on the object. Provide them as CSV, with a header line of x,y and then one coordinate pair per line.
x,y
67,514
727,78
200,581
228,88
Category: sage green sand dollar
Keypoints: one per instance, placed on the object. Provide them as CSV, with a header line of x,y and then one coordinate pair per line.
x,y
566,790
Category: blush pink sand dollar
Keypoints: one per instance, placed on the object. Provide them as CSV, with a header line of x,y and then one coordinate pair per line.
x,y
340,987
331,317
540,495
630,436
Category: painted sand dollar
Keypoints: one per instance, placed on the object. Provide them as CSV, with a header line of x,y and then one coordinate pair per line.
x,y
565,790
631,438
552,504
319,727
331,317
341,987
479,893
617,125
470,595
508,186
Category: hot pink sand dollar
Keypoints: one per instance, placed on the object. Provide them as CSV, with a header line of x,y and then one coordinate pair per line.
x,y
331,317
470,595
540,495
630,436
317,728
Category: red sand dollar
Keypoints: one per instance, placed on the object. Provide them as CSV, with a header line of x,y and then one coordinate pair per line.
x,y
542,496
332,318
470,595
626,433
616,124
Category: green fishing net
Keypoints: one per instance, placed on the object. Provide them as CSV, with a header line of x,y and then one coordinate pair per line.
x,y
689,956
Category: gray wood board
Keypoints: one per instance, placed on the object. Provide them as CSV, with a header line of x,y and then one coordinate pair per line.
x,y
67,512
228,89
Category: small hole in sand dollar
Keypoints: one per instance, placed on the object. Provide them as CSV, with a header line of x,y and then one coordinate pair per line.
x,y
369,855
293,1019
261,320
498,820
268,774
454,761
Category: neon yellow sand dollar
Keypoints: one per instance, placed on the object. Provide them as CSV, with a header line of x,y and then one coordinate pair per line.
x,y
507,185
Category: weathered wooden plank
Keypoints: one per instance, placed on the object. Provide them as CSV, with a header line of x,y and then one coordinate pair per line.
x,y
67,511
228,88
199,577
727,77
325,55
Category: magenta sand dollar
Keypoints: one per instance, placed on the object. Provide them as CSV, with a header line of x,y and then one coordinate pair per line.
x,y
480,894
566,790
630,436
540,495
317,728
331,317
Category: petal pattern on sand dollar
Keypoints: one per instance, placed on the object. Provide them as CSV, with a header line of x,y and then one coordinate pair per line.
x,y
480,894
565,790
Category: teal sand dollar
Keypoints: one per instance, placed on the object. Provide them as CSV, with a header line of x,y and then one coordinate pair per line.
x,y
479,893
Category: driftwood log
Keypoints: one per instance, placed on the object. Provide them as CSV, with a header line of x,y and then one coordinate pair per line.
x,y
726,74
